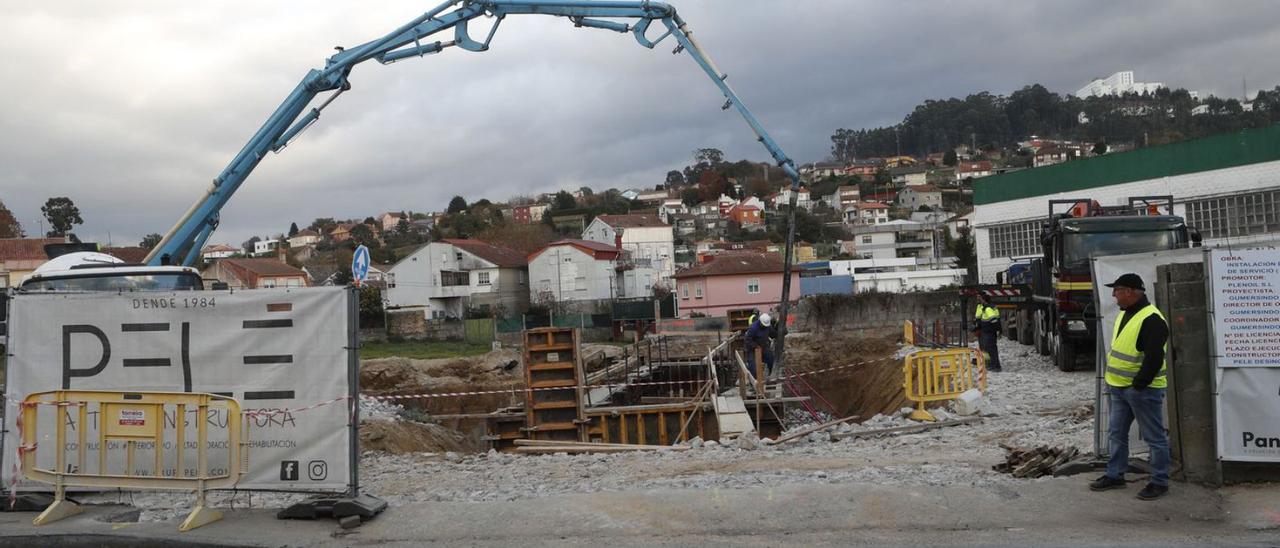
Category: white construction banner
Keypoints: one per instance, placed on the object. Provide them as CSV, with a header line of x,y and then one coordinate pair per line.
x,y
1249,414
282,350
1246,307
1106,270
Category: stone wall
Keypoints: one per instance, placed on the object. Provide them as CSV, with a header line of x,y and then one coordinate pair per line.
x,y
412,324
875,310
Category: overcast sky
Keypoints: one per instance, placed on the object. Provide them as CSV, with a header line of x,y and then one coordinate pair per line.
x,y
130,108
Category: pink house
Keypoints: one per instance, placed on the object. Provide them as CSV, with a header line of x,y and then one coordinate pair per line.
x,y
732,280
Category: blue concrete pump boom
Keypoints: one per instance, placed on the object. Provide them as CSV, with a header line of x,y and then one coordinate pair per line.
x,y
183,242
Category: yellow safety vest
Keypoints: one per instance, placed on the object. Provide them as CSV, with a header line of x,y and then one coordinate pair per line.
x,y
986,313
751,320
1124,361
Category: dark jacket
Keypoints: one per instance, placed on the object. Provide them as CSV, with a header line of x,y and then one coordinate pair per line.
x,y
1151,338
758,334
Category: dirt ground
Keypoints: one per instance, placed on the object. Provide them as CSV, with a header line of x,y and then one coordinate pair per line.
x,y
875,387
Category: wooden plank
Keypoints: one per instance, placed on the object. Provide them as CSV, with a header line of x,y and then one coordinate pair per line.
x,y
556,443
906,429
812,429
662,428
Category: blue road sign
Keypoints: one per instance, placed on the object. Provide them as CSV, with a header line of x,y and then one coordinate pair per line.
x,y
360,264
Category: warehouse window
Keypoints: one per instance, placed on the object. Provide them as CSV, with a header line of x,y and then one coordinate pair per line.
x,y
1236,215
1015,239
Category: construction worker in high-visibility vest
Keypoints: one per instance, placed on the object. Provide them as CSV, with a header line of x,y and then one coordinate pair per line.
x,y
1135,375
986,325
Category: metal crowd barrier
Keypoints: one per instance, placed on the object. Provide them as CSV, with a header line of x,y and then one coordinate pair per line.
x,y
936,375
133,418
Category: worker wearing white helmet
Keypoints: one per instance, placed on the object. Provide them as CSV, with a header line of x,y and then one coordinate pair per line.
x,y
760,335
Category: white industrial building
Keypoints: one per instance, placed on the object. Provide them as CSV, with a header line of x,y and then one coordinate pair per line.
x,y
1117,84
1227,186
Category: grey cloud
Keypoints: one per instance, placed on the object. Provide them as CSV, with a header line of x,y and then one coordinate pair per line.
x,y
131,108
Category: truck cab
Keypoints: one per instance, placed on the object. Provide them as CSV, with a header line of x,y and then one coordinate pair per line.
x,y
1070,242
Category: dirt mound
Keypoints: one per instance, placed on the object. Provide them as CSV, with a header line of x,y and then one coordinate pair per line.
x,y
865,390
399,437
498,370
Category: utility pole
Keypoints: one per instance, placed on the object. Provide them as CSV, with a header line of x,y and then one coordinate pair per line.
x,y
897,140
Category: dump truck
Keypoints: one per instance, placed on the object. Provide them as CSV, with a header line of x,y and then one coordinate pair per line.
x,y
1049,300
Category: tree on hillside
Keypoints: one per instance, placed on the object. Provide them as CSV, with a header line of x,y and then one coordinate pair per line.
x,y
62,215
150,241
363,235
525,238
711,185
247,246
457,205
323,225
674,179
293,229
9,225
563,200
950,159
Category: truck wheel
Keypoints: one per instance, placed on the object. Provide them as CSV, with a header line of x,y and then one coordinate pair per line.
x,y
1026,335
1065,359
1042,334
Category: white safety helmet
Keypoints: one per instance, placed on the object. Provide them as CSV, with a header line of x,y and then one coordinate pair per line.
x,y
765,319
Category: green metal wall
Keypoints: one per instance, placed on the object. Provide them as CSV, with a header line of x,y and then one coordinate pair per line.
x,y
1250,146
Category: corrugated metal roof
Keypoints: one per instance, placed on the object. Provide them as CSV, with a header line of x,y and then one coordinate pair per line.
x,y
1250,146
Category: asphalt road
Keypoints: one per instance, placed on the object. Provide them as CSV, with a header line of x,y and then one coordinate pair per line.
x,y
1052,512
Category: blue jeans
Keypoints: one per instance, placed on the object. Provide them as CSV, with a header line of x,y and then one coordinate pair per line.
x,y
1146,405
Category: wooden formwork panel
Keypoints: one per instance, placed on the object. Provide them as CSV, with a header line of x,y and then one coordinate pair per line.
x,y
553,372
652,426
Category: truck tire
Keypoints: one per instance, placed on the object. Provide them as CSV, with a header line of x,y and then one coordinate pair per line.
x,y
1026,334
1041,333
1065,358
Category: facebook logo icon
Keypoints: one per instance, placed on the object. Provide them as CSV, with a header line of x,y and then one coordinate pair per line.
x,y
288,470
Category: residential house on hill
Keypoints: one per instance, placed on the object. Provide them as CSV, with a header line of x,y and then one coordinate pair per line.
x,y
822,169
262,247
389,220
866,213
575,270
913,197
909,175
1050,155
304,237
747,216
255,273
848,196
974,170
442,279
529,213
19,257
732,280
783,198
866,168
218,251
649,241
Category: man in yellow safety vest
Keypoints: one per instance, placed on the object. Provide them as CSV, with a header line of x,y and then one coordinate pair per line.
x,y
986,320
1135,376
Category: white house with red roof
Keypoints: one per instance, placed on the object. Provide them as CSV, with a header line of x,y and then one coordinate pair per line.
x,y
649,241
912,197
443,279
575,270
866,213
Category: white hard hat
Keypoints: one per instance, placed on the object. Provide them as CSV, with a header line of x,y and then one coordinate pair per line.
x,y
765,319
